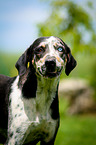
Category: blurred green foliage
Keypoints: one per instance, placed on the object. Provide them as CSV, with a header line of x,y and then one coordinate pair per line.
x,y
72,23
7,64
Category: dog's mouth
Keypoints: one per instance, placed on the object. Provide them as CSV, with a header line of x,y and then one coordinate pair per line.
x,y
52,74
49,73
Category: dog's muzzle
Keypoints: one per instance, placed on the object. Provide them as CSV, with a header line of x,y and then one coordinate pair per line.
x,y
50,68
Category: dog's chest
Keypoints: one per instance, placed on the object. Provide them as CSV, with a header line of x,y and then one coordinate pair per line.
x,y
31,117
41,128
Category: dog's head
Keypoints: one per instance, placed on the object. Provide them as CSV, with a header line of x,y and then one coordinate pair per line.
x,y
48,56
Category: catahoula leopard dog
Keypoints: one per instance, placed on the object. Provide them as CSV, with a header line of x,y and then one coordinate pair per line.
x,y
29,108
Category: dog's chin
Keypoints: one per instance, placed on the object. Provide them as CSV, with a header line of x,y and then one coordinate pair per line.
x,y
50,74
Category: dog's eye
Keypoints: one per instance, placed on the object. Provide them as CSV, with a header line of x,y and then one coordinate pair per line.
x,y
40,50
60,49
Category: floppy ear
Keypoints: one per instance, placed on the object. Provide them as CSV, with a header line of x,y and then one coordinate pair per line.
x,y
71,63
22,62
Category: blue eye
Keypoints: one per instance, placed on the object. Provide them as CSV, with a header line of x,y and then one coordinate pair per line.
x,y
60,49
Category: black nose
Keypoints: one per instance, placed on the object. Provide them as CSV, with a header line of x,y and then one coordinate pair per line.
x,y
50,65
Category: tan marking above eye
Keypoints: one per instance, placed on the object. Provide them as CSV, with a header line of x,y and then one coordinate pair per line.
x,y
43,45
55,44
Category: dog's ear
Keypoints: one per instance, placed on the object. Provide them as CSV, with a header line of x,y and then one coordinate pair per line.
x,y
22,62
71,63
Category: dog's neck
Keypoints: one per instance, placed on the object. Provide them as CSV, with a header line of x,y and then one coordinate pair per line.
x,y
48,84
46,92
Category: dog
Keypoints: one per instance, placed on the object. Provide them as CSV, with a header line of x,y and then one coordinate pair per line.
x,y
29,108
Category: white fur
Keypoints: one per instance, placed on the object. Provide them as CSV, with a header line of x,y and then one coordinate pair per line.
x,y
30,116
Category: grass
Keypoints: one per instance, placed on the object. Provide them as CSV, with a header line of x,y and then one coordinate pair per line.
x,y
76,130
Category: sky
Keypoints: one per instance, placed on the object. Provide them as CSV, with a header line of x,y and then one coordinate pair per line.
x,y
18,21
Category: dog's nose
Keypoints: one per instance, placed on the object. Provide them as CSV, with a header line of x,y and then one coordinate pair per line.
x,y
50,65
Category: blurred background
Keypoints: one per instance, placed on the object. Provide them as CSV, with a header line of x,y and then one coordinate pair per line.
x,y
74,21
